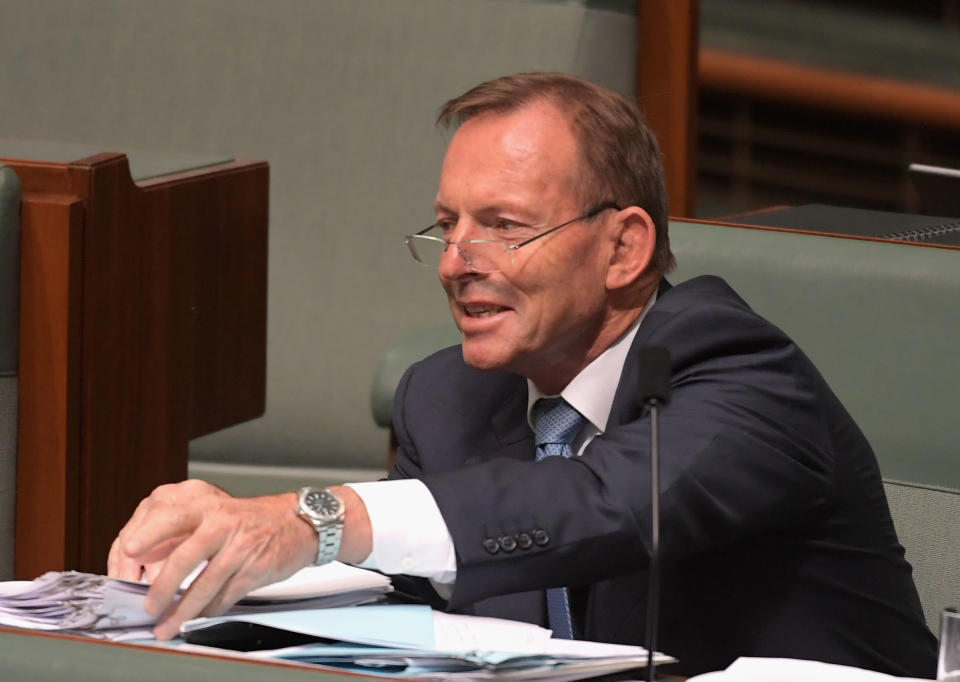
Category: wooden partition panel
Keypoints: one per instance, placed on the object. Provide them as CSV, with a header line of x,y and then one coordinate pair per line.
x,y
667,46
856,93
143,325
48,435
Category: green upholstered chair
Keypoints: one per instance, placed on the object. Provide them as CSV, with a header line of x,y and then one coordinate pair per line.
x,y
398,358
9,318
927,518
881,322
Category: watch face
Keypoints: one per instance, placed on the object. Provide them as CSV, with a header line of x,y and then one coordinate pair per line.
x,y
322,503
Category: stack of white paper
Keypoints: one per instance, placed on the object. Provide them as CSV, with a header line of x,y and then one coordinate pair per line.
x,y
103,607
412,641
391,641
793,670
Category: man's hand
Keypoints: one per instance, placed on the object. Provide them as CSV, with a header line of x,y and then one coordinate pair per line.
x,y
247,542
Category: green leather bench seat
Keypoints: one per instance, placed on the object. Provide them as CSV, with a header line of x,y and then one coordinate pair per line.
x,y
881,322
398,358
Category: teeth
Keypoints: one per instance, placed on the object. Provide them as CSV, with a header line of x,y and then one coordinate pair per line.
x,y
483,311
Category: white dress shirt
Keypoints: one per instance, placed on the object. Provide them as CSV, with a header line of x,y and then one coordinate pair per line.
x,y
409,533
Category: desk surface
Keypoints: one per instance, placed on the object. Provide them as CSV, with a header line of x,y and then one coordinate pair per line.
x,y
42,657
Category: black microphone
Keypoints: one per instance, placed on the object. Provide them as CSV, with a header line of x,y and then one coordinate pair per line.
x,y
654,383
653,390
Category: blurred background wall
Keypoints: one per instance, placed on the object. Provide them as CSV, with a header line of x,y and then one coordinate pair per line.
x,y
340,97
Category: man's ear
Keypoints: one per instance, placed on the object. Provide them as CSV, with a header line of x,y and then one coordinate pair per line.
x,y
636,237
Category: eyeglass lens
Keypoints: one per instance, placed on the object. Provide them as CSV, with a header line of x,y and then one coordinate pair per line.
x,y
480,256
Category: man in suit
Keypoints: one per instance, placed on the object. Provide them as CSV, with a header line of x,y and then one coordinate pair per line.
x,y
521,488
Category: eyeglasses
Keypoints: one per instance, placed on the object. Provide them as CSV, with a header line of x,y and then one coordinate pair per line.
x,y
481,255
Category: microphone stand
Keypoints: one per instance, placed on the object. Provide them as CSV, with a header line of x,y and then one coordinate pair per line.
x,y
653,584
653,390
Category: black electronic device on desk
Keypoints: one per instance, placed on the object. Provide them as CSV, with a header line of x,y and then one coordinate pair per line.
x,y
858,222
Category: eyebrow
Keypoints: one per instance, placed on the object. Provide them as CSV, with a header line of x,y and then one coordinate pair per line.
x,y
519,214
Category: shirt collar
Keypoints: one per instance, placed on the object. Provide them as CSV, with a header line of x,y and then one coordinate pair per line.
x,y
591,392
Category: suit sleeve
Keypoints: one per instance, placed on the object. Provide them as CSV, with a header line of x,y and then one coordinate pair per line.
x,y
407,464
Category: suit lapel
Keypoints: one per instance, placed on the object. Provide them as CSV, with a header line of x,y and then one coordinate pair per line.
x,y
509,420
512,436
625,407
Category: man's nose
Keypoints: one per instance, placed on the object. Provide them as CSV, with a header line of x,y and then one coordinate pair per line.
x,y
453,263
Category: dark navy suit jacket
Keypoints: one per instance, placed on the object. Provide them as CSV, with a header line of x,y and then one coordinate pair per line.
x,y
776,536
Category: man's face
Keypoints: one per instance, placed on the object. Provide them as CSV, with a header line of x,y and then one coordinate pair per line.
x,y
511,177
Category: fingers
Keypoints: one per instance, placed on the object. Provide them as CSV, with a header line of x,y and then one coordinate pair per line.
x,y
157,554
234,568
151,571
219,586
171,511
231,538
200,546
246,542
119,565
229,594
159,523
192,603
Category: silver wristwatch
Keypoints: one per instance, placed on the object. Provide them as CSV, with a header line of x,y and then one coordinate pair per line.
x,y
324,511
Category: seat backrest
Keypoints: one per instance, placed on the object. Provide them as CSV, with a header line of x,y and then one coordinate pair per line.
x,y
9,327
928,525
399,356
881,322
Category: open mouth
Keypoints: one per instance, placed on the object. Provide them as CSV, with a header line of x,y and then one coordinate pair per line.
x,y
482,310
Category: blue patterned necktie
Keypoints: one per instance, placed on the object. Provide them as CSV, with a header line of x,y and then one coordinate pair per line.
x,y
555,423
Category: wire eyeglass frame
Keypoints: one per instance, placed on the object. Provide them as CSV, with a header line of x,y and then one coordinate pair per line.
x,y
488,247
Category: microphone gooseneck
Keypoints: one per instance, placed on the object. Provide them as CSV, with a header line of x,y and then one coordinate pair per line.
x,y
653,390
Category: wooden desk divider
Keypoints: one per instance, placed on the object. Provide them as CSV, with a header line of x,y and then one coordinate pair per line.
x,y
142,325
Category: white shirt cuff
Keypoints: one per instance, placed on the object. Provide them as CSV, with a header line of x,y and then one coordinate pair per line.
x,y
409,534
